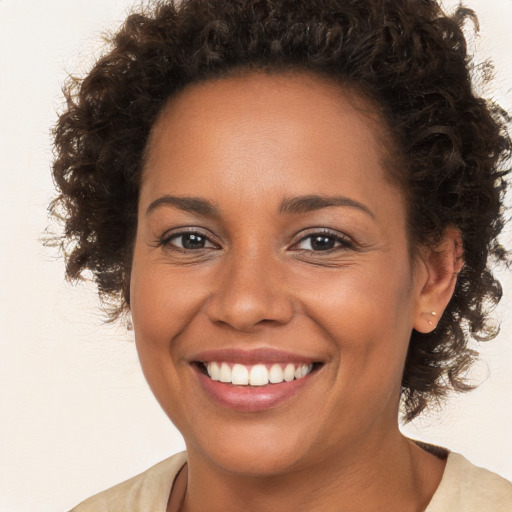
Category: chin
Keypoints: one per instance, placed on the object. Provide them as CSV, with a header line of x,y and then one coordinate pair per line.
x,y
258,453
255,463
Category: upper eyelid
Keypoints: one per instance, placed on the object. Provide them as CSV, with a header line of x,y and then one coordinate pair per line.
x,y
186,230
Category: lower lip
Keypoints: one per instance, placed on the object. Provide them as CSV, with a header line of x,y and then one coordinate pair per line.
x,y
251,398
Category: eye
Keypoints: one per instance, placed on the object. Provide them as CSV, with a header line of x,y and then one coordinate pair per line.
x,y
322,241
188,241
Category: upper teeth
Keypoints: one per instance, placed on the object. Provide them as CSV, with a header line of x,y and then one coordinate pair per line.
x,y
258,374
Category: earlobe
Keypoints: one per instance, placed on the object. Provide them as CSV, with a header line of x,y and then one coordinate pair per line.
x,y
442,264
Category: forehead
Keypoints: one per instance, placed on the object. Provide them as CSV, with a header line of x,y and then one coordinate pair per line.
x,y
290,131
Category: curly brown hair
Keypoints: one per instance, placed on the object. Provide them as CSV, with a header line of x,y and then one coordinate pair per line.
x,y
407,56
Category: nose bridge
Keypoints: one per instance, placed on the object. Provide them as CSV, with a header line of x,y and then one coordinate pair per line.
x,y
250,289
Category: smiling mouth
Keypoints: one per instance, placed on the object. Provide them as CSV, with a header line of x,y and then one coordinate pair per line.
x,y
256,375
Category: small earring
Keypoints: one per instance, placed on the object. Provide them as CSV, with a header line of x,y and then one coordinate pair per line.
x,y
433,313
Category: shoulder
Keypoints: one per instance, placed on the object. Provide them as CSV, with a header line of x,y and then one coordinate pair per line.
x,y
148,491
468,488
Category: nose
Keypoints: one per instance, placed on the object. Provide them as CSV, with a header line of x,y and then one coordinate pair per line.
x,y
250,291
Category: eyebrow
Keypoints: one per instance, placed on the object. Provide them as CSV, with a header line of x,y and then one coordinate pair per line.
x,y
187,204
307,203
290,205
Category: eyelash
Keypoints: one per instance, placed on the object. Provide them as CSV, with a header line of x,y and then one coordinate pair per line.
x,y
340,242
166,240
343,242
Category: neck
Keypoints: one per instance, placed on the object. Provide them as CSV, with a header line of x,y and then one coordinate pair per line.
x,y
379,474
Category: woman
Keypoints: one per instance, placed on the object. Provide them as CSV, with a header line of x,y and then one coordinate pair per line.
x,y
298,204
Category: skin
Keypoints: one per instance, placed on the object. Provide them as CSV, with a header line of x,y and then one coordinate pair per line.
x,y
245,144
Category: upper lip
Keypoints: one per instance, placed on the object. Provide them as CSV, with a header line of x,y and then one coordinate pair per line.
x,y
252,356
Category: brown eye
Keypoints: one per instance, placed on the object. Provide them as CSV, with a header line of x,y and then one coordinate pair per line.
x,y
189,241
322,242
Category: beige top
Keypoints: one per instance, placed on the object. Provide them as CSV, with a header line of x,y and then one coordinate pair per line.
x,y
463,488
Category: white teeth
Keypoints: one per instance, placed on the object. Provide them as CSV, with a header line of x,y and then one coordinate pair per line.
x,y
306,368
257,375
225,373
289,373
276,374
214,371
239,375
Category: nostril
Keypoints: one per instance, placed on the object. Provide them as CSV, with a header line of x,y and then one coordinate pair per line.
x,y
247,297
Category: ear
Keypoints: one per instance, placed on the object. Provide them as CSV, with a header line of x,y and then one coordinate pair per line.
x,y
440,266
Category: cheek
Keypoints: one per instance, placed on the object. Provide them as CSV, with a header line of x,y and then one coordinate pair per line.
x,y
154,310
161,302
367,298
159,309
368,316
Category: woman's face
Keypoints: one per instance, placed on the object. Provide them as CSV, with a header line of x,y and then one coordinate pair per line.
x,y
270,242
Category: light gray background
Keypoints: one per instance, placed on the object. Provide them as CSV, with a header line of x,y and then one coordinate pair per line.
x,y
75,413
